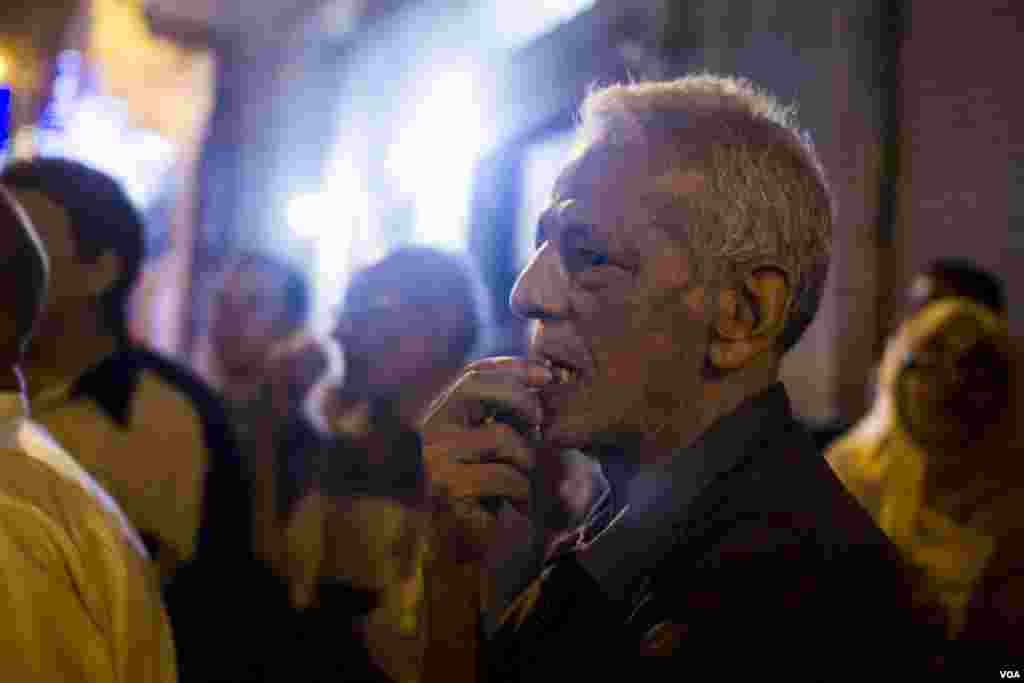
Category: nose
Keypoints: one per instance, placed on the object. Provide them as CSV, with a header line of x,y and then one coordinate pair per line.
x,y
541,291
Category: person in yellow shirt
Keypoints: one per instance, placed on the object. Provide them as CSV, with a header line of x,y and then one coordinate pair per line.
x,y
145,427
80,594
933,460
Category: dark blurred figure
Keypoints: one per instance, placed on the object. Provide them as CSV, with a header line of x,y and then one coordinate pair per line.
x,y
955,278
944,278
408,325
81,598
941,279
937,464
354,519
150,432
261,302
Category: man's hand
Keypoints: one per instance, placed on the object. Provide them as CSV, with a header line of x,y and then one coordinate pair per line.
x,y
477,449
294,367
502,388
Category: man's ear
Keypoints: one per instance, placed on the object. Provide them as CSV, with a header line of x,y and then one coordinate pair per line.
x,y
103,273
750,317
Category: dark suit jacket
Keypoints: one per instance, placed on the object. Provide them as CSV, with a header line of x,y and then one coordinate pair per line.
x,y
227,609
746,557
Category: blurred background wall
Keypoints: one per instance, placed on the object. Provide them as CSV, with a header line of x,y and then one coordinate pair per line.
x,y
330,130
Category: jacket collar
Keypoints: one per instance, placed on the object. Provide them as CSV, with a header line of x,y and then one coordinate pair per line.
x,y
657,502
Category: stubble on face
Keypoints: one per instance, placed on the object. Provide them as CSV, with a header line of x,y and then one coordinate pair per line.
x,y
645,334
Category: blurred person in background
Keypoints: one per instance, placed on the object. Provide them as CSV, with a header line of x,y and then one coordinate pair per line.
x,y
81,597
937,463
353,523
954,277
949,277
261,302
149,431
683,253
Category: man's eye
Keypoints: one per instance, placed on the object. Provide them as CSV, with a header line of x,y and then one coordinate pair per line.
x,y
591,259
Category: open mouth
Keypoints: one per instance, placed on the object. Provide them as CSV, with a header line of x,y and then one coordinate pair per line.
x,y
563,374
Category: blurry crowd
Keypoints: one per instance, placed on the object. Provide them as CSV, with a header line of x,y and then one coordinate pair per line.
x,y
633,497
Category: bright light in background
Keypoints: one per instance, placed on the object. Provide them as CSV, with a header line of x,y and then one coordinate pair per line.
x,y
434,156
517,23
337,222
98,133
307,213
96,130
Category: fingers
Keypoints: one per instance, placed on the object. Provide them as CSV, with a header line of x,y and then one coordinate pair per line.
x,y
469,470
503,387
495,443
491,462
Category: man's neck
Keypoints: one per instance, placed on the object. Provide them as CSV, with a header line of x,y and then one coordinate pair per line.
x,y
67,360
720,397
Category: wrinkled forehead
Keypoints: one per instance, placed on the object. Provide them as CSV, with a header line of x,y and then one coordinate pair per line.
x,y
599,165
619,189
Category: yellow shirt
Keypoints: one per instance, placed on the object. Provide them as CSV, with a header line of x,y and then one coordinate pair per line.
x,y
154,468
949,535
81,598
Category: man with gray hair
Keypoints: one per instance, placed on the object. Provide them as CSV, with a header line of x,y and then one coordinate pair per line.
x,y
683,253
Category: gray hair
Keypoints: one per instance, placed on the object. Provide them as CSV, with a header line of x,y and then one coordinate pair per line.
x,y
766,200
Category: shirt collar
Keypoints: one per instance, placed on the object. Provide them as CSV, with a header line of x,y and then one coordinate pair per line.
x,y
657,500
14,405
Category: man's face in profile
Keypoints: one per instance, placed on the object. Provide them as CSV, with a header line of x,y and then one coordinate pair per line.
x,y
612,292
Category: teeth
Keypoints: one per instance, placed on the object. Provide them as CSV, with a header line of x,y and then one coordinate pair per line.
x,y
563,375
